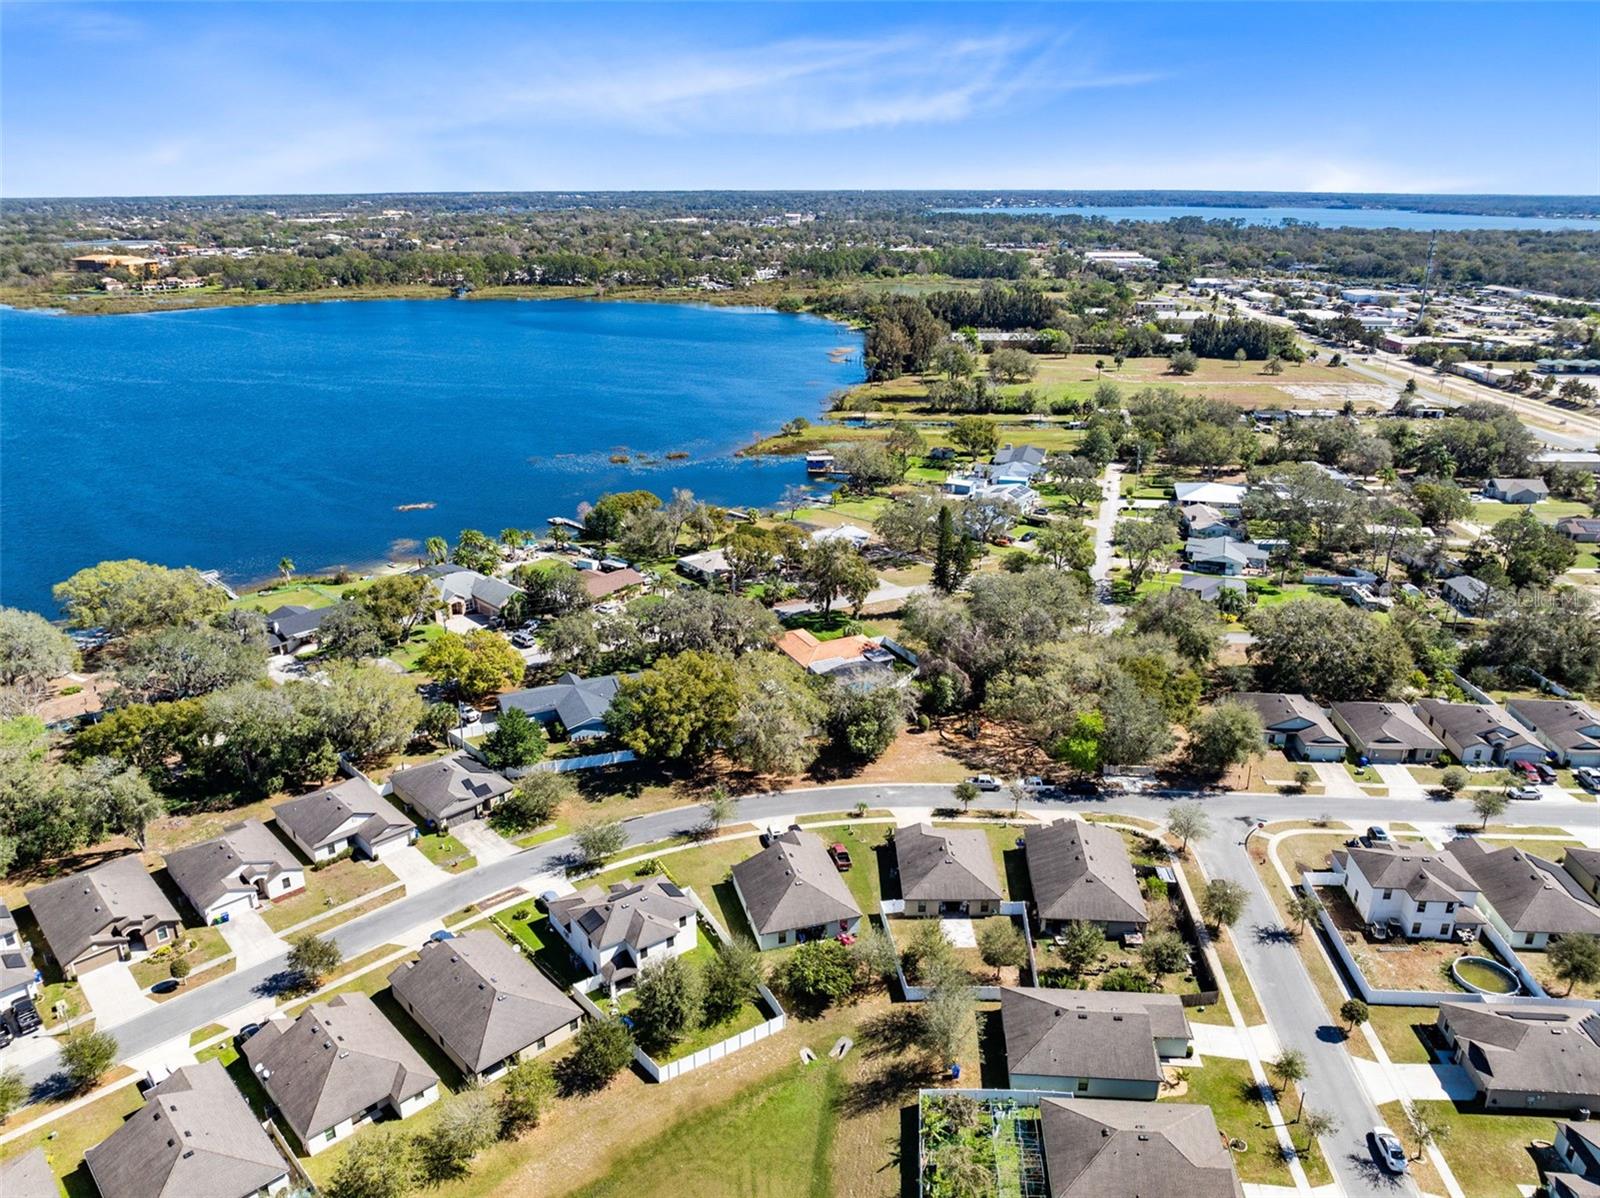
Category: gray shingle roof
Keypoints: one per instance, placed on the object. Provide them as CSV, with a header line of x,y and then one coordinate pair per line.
x,y
1082,871
1573,726
1472,723
1103,1148
194,1138
1553,1050
1088,1033
576,702
1529,893
1423,874
27,1175
449,786
945,864
114,898
315,818
639,914
793,884
333,1062
16,961
485,1000
245,851
1386,726
1293,713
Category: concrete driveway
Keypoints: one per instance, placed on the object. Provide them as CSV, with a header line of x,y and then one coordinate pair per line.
x,y
113,995
485,843
1336,781
1401,782
251,940
415,870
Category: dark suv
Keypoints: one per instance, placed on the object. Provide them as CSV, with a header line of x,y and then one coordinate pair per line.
x,y
26,1016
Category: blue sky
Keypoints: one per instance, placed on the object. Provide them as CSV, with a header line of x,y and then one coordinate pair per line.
x,y
175,98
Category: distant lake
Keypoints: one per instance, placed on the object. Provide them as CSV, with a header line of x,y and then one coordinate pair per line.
x,y
226,438
1330,218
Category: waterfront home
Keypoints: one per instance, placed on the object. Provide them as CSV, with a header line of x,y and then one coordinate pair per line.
x,y
1297,725
195,1137
708,568
1528,899
616,930
482,1002
1090,1042
1388,733
1568,728
292,627
1225,555
103,914
241,869
1098,1147
856,538
1516,490
466,592
18,976
598,584
1523,1057
791,891
1081,872
1478,733
1423,893
350,816
449,790
946,871
1468,595
573,706
337,1067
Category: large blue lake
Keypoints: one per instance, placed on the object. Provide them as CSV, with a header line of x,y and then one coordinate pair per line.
x,y
227,438
1329,218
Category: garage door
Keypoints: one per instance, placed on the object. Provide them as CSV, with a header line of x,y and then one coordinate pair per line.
x,y
103,957
234,905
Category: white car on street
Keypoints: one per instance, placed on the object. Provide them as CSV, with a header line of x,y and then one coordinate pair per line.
x,y
1386,1145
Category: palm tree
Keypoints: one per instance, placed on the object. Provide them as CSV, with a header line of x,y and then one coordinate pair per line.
x,y
286,568
437,549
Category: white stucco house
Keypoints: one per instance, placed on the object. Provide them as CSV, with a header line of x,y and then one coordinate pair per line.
x,y
614,932
1422,892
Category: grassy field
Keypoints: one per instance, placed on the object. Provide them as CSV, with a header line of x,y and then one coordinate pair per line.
x,y
1227,1088
1488,512
445,851
337,884
405,656
307,593
1488,1153
1402,1032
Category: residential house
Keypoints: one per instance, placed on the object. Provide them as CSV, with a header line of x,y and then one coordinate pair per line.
x,y
708,568
598,584
1210,586
1468,595
977,484
1583,866
292,627
821,657
1101,1148
571,705
1017,463
946,871
195,1137
1224,497
616,930
28,1175
1569,729
350,816
1297,725
340,1065
850,534
792,892
1091,1043
1528,899
1516,490
1424,893
1082,872
241,869
18,976
484,1003
1200,520
103,914
1526,1057
1583,529
1577,1151
449,790
1387,733
1478,733
467,592
1225,555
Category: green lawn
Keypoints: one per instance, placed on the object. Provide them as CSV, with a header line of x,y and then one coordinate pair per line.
x,y
1401,1031
1009,861
746,1017
326,888
527,927
1227,1088
301,594
771,1141
445,851
1488,1153
204,944
405,655
1488,512
66,1139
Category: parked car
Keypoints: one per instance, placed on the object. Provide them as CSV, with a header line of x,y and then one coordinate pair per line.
x,y
1377,835
524,639
985,781
840,857
1386,1147
245,1033
26,1016
1526,769
1524,792
442,935
5,1033
1546,774
1589,778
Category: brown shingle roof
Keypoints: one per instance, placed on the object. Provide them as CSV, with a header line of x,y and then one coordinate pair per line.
x,y
110,899
1553,1050
1529,893
208,870
1088,1033
449,786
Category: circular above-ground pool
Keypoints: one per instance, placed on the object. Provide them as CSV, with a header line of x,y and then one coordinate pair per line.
x,y
1483,976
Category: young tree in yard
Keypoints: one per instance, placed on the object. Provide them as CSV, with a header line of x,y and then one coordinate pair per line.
x,y
525,1091
313,958
1318,1125
1188,821
965,792
14,1090
819,972
975,435
671,1000
1453,781
953,554
1575,958
533,802
466,1125
1288,1068
1301,908
1223,736
874,954
731,979
1222,902
1079,947
1354,1012
376,1165
1001,945
1424,1130
1488,804
947,1015
602,1049
86,1056
1163,953
1183,362
517,740
599,840
179,969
